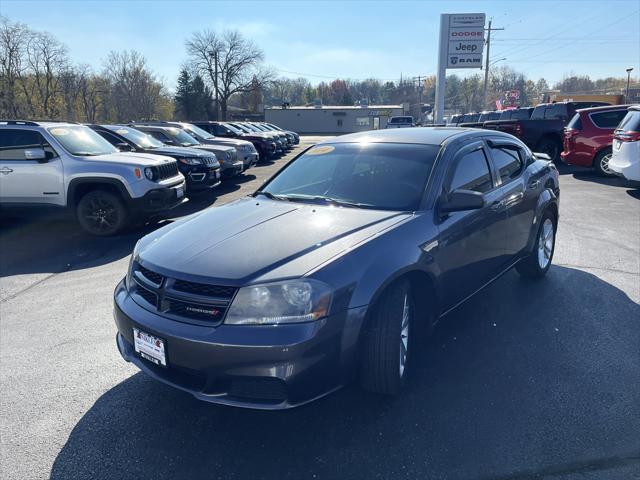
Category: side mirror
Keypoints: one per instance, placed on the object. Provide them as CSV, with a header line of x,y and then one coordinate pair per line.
x,y
460,200
37,154
124,147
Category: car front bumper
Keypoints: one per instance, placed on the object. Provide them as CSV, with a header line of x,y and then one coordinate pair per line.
x,y
250,159
232,169
264,367
159,200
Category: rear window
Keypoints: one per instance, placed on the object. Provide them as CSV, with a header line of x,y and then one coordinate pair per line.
x,y
608,119
575,123
631,122
506,115
538,112
401,120
470,117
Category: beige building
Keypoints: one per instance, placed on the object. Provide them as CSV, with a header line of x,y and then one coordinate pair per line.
x,y
332,119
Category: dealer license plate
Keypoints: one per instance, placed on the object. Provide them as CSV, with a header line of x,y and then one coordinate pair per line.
x,y
149,347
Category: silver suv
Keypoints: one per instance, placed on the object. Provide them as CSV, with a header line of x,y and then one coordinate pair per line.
x,y
70,166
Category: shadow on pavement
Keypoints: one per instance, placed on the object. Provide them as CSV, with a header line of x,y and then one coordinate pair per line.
x,y
503,385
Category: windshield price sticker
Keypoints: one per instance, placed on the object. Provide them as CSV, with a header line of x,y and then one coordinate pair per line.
x,y
321,150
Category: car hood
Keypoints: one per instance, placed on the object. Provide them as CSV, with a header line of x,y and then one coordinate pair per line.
x,y
215,148
230,142
132,158
257,239
180,152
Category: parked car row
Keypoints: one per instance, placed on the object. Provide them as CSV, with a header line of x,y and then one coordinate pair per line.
x,y
587,134
111,176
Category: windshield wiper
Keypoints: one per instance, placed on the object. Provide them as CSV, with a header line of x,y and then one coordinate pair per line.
x,y
329,200
271,196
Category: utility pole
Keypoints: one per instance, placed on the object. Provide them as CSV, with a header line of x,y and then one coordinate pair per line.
x,y
629,70
486,64
215,81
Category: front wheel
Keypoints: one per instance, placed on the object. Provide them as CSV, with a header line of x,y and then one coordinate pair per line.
x,y
387,341
101,213
538,262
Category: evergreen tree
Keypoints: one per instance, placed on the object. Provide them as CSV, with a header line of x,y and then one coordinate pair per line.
x,y
184,96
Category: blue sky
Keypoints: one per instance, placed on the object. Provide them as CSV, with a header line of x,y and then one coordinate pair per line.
x,y
359,39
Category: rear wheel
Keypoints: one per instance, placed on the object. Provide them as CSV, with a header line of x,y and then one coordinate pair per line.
x,y
551,147
538,262
601,163
101,213
387,341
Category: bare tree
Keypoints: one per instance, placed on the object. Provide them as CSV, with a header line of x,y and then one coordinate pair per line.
x,y
134,91
231,64
46,58
13,40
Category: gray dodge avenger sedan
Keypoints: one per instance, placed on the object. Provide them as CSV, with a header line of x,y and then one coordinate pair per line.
x,y
365,239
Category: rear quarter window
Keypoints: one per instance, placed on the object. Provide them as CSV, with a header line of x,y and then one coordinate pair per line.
x,y
631,121
608,119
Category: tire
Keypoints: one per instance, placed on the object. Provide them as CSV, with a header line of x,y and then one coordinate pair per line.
x,y
101,213
386,349
551,147
538,262
601,163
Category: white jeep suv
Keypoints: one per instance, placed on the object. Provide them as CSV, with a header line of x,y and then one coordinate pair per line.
x,y
68,165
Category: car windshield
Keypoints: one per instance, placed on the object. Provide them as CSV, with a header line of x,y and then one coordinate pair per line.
x,y
181,137
251,128
234,129
242,128
261,127
199,132
383,176
136,137
81,140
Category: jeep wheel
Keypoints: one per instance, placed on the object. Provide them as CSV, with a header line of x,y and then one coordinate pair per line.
x,y
387,342
101,213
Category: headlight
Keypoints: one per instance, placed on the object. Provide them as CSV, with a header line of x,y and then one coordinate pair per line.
x,y
191,161
128,281
291,301
150,173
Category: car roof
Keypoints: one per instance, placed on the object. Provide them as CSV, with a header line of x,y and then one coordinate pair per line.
x,y
419,135
37,123
635,108
603,108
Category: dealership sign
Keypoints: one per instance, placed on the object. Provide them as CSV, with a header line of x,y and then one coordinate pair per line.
x,y
460,46
465,40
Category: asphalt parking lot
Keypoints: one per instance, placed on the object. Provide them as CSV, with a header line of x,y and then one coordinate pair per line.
x,y
527,380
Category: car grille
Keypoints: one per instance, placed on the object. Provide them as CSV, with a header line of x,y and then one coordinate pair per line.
x,y
209,161
191,302
167,170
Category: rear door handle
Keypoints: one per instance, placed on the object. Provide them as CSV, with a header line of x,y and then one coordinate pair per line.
x,y
6,170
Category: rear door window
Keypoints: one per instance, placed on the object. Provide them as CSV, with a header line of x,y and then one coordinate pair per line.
x,y
472,173
608,119
557,110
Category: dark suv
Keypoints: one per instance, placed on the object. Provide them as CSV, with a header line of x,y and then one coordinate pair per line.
x,y
265,146
201,169
371,237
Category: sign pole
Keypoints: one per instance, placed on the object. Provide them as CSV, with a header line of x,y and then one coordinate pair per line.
x,y
442,67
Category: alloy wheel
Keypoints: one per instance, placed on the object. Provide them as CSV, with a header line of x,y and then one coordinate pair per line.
x,y
604,163
545,244
404,334
101,213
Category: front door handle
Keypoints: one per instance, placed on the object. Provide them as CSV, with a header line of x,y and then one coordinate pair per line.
x,y
6,170
534,184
